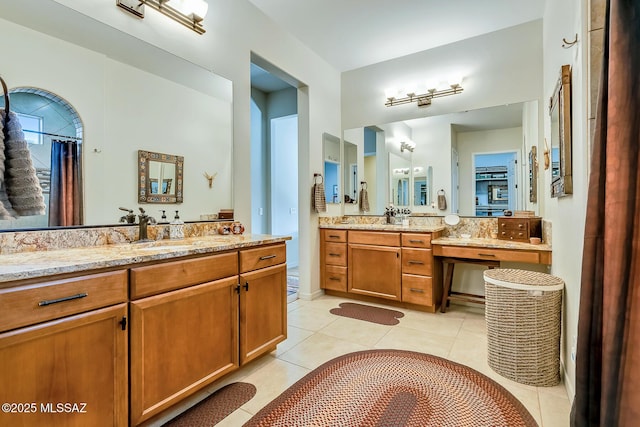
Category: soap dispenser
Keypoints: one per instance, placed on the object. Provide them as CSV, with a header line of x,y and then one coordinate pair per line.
x,y
176,228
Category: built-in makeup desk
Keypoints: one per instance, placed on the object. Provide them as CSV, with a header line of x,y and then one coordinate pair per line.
x,y
486,252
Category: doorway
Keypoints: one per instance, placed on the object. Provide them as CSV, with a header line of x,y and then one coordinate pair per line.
x,y
274,160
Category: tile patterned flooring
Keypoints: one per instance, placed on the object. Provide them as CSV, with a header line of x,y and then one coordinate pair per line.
x,y
315,336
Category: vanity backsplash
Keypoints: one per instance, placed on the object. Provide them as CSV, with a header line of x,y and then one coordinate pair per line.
x,y
46,240
476,227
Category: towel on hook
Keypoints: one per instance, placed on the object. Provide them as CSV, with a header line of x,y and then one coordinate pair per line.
x,y
318,198
21,182
442,200
364,200
6,211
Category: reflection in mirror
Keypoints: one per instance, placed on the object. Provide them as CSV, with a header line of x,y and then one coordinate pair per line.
x,y
350,160
560,113
533,175
160,177
53,131
400,177
422,186
331,155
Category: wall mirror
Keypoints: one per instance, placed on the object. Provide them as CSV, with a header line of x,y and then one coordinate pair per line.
x,y
109,85
447,143
400,180
560,113
350,161
332,176
533,175
160,177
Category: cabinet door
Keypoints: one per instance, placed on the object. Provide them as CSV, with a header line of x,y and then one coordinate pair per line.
x,y
263,311
180,342
375,271
67,372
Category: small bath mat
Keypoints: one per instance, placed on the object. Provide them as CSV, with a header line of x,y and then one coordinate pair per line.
x,y
216,407
368,313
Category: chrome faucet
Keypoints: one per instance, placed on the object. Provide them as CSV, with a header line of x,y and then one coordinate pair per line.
x,y
143,221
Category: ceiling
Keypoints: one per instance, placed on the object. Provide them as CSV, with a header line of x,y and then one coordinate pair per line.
x,y
350,34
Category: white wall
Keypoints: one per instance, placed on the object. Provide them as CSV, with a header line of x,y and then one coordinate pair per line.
x,y
564,19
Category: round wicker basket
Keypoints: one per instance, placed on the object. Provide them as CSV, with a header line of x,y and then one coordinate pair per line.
x,y
523,325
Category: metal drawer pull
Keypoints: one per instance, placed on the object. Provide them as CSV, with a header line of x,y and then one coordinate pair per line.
x,y
335,279
262,258
416,241
63,299
420,291
415,262
333,236
493,255
332,254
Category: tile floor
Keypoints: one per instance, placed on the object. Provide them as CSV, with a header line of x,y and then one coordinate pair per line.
x,y
315,336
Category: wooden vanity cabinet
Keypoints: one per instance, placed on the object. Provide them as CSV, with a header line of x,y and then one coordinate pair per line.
x,y
420,273
184,339
66,365
374,264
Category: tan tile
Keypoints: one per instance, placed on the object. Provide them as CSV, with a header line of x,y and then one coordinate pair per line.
x,y
555,410
294,337
296,304
311,319
235,419
327,302
319,348
475,323
357,331
470,349
529,398
270,381
435,323
410,339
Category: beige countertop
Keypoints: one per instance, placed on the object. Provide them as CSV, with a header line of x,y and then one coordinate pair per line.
x,y
489,243
27,265
386,227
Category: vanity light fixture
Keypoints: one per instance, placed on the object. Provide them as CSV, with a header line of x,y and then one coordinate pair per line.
x,y
407,145
399,97
189,13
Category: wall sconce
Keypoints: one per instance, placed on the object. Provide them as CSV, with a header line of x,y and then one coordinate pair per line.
x,y
399,97
409,145
189,13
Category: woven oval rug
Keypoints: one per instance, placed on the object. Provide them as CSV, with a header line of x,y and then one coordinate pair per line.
x,y
394,388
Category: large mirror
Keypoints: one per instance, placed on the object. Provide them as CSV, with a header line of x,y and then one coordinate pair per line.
x,y
332,176
129,95
160,177
451,152
560,113
400,180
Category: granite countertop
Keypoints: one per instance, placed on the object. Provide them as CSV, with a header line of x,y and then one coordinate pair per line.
x,y
386,227
26,265
489,243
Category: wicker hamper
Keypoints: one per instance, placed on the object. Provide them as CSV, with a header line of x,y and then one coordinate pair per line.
x,y
523,325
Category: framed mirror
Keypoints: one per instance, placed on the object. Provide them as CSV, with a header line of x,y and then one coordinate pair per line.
x,y
160,177
332,177
560,113
533,175
351,184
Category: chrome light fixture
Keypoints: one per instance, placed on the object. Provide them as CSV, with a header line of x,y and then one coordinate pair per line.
x,y
399,97
189,13
408,145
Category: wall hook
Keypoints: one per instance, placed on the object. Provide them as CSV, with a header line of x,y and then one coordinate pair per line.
x,y
567,44
210,178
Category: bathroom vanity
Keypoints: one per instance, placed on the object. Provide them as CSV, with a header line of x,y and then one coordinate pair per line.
x,y
116,334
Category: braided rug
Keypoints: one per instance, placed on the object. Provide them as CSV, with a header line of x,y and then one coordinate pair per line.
x,y
394,388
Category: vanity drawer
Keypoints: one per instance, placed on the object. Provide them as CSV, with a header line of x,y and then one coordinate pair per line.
x,y
337,236
335,278
493,254
374,238
35,303
254,259
159,278
417,261
417,289
411,240
335,254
